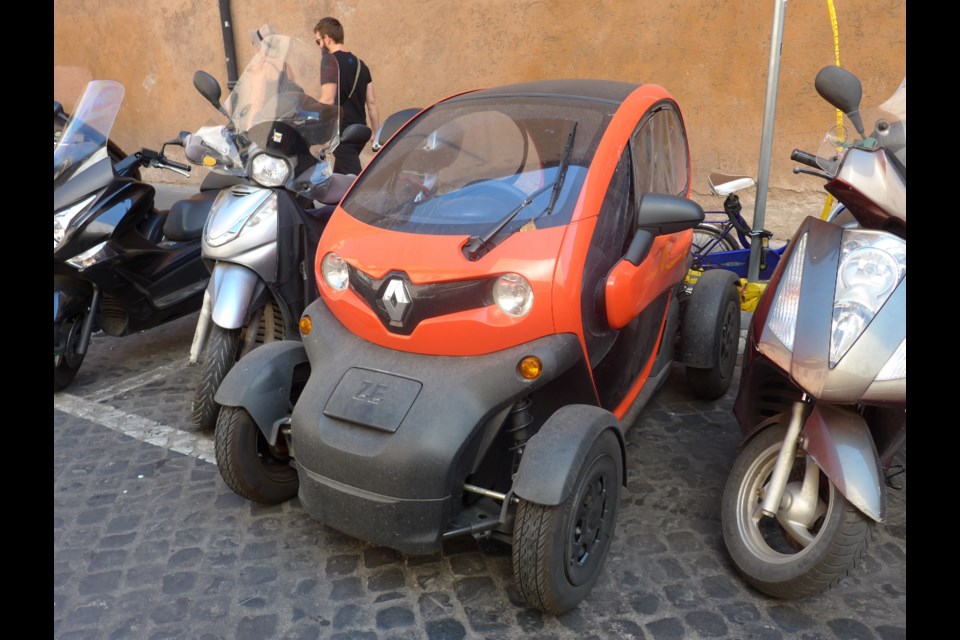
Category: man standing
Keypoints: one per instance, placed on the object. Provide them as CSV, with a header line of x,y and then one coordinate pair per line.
x,y
357,99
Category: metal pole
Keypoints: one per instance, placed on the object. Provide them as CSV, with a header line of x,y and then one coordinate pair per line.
x,y
766,140
230,51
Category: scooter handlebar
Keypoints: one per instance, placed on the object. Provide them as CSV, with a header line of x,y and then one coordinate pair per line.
x,y
804,158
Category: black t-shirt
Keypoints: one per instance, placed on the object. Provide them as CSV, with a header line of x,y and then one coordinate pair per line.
x,y
353,88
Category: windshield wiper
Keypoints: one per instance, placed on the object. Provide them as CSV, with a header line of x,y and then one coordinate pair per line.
x,y
475,246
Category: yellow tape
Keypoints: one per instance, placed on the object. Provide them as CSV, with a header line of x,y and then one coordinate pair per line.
x,y
828,203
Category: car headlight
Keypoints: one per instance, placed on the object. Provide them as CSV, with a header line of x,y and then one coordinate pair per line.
x,y
513,295
335,271
62,220
782,318
872,263
92,256
269,171
240,218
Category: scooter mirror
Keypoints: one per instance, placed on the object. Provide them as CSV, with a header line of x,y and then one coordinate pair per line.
x,y
57,109
843,90
392,124
208,87
356,134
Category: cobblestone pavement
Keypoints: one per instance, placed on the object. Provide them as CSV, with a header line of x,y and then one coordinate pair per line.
x,y
150,543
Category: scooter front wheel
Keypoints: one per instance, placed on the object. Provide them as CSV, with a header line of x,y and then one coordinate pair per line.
x,y
220,355
814,540
67,364
248,464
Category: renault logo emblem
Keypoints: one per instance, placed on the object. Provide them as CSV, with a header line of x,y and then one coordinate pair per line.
x,y
396,300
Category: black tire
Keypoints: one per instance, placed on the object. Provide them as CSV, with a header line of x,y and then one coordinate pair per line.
x,y
220,355
555,563
706,233
711,383
771,558
66,366
248,464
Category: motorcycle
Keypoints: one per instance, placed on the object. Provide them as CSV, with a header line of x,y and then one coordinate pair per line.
x,y
260,239
120,265
822,397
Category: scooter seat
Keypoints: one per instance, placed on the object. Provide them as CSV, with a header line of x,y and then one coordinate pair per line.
x,y
187,217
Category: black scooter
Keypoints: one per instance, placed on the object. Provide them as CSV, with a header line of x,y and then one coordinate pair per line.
x,y
120,265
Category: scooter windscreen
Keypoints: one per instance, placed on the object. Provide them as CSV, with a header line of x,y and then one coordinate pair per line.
x,y
83,142
885,126
285,115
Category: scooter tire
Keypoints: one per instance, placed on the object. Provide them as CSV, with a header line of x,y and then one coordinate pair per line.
x,y
248,464
219,357
556,556
66,366
764,553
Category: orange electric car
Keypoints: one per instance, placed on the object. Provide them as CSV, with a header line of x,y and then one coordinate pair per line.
x,y
501,292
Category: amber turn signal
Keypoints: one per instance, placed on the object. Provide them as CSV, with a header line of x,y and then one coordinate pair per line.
x,y
530,367
306,324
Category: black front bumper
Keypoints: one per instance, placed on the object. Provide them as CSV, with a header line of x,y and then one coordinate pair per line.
x,y
384,439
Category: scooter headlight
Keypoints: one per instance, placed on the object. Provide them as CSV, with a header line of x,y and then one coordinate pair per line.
x,y
62,220
782,318
872,264
335,271
269,171
513,295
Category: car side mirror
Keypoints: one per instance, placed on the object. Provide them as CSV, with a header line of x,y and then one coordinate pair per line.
x,y
662,214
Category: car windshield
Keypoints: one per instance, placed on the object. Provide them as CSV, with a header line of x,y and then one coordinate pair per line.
x,y
885,126
465,164
83,142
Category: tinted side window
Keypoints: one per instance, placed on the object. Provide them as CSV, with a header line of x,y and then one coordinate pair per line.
x,y
660,153
613,232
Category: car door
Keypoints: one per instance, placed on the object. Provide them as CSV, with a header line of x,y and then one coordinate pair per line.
x,y
656,161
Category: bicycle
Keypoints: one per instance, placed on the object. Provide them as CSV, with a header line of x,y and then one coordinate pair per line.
x,y
723,239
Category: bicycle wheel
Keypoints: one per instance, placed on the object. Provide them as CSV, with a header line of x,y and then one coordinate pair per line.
x,y
708,238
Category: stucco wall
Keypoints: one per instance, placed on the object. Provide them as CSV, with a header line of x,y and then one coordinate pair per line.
x,y
712,55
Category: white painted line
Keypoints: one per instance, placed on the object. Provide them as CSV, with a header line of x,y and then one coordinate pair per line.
x,y
137,381
143,429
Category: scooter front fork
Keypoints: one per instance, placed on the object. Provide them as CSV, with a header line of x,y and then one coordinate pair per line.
x,y
788,451
87,329
203,328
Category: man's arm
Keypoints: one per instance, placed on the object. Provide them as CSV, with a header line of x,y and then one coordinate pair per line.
x,y
373,112
328,92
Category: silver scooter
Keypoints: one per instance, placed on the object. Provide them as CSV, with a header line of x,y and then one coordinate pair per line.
x,y
261,236
822,397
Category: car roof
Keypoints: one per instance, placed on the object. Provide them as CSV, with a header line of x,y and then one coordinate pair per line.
x,y
610,91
